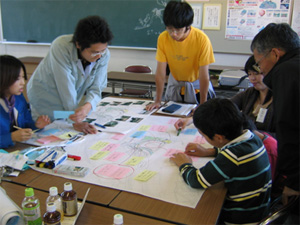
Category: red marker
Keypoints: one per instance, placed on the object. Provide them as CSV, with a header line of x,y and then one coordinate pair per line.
x,y
74,157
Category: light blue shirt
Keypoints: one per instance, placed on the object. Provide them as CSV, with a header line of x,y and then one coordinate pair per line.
x,y
59,81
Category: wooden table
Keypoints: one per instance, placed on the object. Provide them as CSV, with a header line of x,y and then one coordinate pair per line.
x,y
206,211
90,214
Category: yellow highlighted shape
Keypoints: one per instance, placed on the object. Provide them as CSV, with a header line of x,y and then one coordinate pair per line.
x,y
67,135
99,155
99,145
144,128
145,175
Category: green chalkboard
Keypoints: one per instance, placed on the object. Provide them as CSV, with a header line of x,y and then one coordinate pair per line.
x,y
134,23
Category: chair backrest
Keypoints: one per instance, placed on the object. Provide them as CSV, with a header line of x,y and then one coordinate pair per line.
x,y
138,69
280,214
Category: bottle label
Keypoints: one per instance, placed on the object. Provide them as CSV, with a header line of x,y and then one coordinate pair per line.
x,y
70,207
32,215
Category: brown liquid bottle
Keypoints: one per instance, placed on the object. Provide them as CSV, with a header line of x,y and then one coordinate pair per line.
x,y
52,216
69,199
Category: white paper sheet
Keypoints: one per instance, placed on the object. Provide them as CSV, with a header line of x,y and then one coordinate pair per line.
x,y
115,160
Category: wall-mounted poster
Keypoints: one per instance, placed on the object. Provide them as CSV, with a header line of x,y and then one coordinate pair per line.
x,y
245,18
212,16
296,17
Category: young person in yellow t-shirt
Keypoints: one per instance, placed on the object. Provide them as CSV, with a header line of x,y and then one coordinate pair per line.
x,y
188,52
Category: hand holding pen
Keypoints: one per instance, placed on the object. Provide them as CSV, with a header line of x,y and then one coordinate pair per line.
x,y
182,123
21,134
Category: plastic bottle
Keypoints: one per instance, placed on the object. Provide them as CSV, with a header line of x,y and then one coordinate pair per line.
x,y
52,216
118,219
56,199
69,199
31,208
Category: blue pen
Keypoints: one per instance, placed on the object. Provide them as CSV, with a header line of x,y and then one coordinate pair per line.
x,y
99,125
54,156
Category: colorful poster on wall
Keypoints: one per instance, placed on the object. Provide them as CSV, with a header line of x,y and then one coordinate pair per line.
x,y
245,18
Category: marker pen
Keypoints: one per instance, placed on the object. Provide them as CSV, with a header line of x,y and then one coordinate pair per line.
x,y
74,157
99,125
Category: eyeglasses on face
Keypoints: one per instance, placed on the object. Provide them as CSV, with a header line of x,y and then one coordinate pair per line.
x,y
256,66
103,52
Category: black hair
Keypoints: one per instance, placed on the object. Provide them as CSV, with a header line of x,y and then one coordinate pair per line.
x,y
10,68
274,35
178,14
249,65
92,30
219,116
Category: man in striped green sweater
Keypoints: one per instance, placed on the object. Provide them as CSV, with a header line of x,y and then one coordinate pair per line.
x,y
241,162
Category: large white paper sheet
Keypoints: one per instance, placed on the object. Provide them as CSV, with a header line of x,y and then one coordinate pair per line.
x,y
138,161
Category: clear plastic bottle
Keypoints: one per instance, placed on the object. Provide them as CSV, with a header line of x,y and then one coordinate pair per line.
x,y
52,216
118,219
57,200
69,199
31,208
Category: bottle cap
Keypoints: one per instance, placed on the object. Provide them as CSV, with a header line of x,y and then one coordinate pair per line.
x,y
29,192
68,186
118,219
53,191
51,207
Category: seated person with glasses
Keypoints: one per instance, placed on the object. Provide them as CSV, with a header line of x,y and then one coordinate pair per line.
x,y
188,52
75,65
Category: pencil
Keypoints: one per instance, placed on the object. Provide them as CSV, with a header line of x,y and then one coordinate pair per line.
x,y
19,128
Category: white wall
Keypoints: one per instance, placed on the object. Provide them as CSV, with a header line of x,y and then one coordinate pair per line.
x,y
120,57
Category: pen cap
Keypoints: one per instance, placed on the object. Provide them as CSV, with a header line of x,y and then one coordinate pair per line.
x,y
53,191
118,219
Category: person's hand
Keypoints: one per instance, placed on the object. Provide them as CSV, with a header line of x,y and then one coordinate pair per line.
x,y
183,122
287,192
85,127
194,149
152,106
21,135
81,112
42,121
180,158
